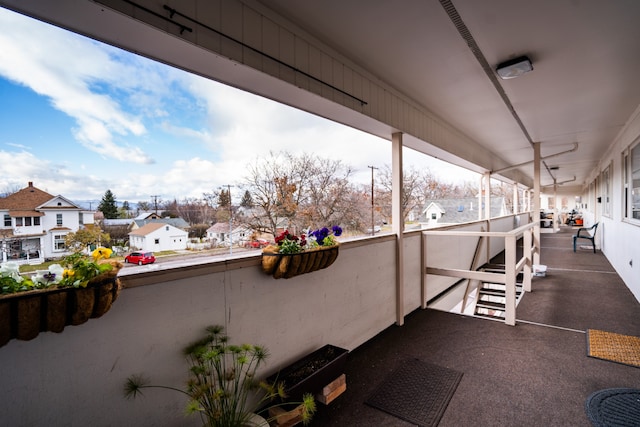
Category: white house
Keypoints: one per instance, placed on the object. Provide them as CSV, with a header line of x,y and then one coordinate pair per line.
x,y
218,233
455,211
35,223
157,236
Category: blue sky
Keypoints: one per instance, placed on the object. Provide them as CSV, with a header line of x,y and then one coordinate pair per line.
x,y
78,117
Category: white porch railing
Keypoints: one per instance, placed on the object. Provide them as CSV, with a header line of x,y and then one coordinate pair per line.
x,y
513,266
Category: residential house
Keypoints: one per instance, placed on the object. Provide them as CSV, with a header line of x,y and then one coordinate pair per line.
x,y
157,236
458,211
218,234
35,224
148,218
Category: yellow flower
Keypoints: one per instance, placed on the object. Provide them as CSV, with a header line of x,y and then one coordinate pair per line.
x,y
100,253
67,273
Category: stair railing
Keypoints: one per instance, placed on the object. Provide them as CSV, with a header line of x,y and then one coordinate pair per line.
x,y
512,266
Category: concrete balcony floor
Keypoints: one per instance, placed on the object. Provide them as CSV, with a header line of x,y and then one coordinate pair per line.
x,y
534,374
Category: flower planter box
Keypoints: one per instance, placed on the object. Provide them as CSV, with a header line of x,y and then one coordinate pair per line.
x,y
24,315
290,265
311,373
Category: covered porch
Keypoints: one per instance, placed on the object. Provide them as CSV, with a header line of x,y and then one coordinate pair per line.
x,y
537,373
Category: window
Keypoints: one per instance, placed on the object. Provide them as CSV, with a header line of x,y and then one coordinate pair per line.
x,y
19,221
58,219
7,220
632,183
80,218
156,241
434,216
58,242
27,221
36,220
606,191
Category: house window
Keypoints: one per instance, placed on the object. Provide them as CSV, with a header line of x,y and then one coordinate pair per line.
x,y
156,241
58,219
27,221
58,242
36,220
606,191
19,221
80,218
632,184
434,216
7,220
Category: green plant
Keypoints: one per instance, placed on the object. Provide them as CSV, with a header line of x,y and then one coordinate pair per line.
x,y
291,244
222,386
76,271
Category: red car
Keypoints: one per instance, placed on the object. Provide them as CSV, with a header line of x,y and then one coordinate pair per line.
x,y
140,258
257,244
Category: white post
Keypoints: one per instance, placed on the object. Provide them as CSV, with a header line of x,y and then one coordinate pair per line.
x,y
510,272
526,244
398,221
536,201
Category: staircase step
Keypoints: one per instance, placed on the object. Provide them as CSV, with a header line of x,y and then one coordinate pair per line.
x,y
490,305
496,292
490,316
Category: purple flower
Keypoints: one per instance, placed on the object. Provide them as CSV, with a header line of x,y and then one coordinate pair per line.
x,y
337,231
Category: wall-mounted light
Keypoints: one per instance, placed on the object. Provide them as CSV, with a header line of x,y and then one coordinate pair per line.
x,y
514,67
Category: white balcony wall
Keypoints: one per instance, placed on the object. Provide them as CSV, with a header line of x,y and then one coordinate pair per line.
x,y
76,377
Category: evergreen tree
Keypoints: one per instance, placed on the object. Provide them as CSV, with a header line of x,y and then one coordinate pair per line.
x,y
247,200
108,205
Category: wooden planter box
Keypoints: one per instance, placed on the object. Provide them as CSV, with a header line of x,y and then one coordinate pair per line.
x,y
311,373
290,265
24,315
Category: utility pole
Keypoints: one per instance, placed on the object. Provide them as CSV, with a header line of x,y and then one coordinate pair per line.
x,y
230,219
155,203
373,228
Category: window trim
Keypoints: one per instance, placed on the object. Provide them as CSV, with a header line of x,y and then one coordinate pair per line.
x,y
627,181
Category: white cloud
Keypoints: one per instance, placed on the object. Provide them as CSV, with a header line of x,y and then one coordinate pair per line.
x,y
62,67
202,134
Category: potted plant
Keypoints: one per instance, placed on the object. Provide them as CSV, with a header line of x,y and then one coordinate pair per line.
x,y
294,255
70,293
223,387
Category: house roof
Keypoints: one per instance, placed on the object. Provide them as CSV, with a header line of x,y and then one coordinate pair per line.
x,y
463,209
16,213
27,199
117,221
219,227
151,227
176,222
146,229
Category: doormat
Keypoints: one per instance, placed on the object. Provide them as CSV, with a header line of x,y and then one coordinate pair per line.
x,y
618,348
614,407
417,392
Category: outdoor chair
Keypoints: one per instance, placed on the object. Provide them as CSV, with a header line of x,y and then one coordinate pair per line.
x,y
588,233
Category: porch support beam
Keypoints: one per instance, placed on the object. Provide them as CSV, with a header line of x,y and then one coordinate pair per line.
x,y
487,210
536,201
397,220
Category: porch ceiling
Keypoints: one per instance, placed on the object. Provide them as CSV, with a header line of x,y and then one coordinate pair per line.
x,y
583,87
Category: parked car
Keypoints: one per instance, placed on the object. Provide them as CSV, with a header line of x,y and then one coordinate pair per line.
x,y
140,258
257,243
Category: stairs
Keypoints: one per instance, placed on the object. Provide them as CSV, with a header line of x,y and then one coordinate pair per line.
x,y
490,302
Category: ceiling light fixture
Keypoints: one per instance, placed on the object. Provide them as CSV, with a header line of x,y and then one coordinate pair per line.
x,y
514,68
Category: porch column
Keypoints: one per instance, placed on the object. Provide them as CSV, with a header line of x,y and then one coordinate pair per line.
x,y
397,221
536,201
555,206
480,198
515,198
487,210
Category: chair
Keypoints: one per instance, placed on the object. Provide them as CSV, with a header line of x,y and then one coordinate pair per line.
x,y
590,235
